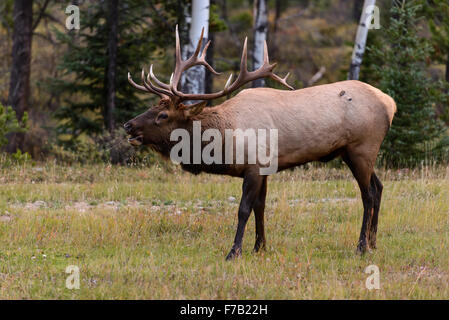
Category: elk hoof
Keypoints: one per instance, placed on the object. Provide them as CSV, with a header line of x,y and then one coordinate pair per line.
x,y
372,242
258,247
234,253
362,248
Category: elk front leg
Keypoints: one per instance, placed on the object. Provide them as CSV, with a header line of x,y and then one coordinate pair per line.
x,y
252,183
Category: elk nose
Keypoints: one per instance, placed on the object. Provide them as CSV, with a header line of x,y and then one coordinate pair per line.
x,y
127,126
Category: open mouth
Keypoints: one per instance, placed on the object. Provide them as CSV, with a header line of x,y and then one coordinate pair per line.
x,y
136,141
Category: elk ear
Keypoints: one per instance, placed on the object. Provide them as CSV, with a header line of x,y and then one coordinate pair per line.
x,y
161,117
195,109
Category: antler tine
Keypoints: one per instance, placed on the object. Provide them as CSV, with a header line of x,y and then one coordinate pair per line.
x,y
198,46
163,91
178,47
158,82
137,86
265,53
149,85
195,54
203,53
203,61
283,80
244,60
146,88
243,74
228,83
273,76
176,75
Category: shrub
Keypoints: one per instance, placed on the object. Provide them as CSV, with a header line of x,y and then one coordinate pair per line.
x,y
9,123
105,148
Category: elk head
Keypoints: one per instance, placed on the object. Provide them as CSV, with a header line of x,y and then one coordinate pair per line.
x,y
153,127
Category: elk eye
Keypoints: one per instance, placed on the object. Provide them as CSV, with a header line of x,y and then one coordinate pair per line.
x,y
161,116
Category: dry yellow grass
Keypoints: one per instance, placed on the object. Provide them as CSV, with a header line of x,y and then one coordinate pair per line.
x,y
138,233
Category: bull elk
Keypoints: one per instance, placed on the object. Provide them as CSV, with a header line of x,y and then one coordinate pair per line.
x,y
348,119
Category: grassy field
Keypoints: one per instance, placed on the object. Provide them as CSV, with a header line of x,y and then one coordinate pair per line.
x,y
139,233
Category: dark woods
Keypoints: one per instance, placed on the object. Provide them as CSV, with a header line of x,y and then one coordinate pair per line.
x,y
69,93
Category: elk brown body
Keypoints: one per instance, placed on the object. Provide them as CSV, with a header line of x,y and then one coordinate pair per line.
x,y
348,119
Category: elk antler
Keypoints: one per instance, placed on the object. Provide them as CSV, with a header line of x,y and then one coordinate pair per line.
x,y
183,65
146,88
245,76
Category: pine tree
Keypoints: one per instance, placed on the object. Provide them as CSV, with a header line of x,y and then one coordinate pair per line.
x,y
401,61
144,27
438,18
437,13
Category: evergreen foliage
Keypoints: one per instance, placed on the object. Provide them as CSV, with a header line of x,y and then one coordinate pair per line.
x,y
438,18
400,64
437,12
143,30
9,123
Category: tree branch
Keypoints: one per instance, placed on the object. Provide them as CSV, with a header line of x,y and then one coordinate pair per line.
x,y
317,76
39,17
159,14
43,36
52,18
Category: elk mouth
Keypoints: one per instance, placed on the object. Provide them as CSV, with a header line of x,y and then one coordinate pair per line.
x,y
136,141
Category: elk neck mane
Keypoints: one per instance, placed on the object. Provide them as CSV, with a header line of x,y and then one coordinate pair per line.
x,y
215,117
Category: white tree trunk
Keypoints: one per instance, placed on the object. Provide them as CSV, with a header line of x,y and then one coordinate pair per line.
x,y
360,40
193,80
260,36
185,42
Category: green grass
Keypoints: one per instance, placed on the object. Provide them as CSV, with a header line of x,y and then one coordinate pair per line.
x,y
138,233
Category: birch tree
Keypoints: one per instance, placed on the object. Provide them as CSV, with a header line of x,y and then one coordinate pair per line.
x,y
366,17
260,36
194,80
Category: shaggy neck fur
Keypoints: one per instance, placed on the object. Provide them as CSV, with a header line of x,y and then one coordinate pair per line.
x,y
210,118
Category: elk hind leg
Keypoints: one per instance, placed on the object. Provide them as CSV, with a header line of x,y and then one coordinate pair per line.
x,y
361,166
378,187
259,209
